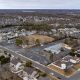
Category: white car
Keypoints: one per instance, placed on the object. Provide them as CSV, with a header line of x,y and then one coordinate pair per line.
x,y
52,73
42,45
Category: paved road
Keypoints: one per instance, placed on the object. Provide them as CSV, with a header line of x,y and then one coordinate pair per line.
x,y
24,54
75,77
35,63
32,53
42,67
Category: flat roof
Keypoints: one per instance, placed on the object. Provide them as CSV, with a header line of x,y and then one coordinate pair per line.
x,y
57,48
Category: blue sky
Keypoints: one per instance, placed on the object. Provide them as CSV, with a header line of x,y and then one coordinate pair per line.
x,y
39,4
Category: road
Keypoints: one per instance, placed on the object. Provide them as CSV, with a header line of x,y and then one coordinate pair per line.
x,y
35,63
32,53
25,55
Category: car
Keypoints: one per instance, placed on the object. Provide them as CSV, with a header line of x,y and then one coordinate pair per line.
x,y
41,44
52,73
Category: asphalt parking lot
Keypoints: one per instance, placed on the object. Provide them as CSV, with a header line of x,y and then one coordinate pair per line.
x,y
32,54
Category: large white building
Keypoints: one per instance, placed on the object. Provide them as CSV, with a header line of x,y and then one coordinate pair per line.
x,y
57,48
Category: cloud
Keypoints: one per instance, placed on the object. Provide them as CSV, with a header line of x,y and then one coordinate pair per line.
x,y
40,4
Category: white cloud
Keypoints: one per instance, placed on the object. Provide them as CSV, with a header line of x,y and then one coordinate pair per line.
x,y
52,4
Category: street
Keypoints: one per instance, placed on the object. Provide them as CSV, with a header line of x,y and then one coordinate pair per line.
x,y
36,59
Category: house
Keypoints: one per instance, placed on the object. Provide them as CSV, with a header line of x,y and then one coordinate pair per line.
x,y
3,37
56,51
66,64
28,73
16,65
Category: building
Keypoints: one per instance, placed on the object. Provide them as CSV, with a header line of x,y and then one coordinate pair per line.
x,y
66,64
57,48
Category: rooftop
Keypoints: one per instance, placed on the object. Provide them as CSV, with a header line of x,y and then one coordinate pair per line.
x,y
66,62
57,48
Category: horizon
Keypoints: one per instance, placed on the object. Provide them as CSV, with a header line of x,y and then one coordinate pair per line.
x,y
39,9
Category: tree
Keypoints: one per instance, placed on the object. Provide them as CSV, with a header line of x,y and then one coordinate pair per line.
x,y
78,55
2,57
28,64
5,52
73,53
35,26
19,42
66,41
37,42
4,60
43,74
61,49
9,55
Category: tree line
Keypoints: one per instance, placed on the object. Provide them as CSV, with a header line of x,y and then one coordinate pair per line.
x,y
35,26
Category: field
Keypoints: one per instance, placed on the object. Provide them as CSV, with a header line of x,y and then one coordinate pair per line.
x,y
41,38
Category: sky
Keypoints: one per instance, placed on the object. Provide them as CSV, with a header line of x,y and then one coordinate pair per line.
x,y
39,4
